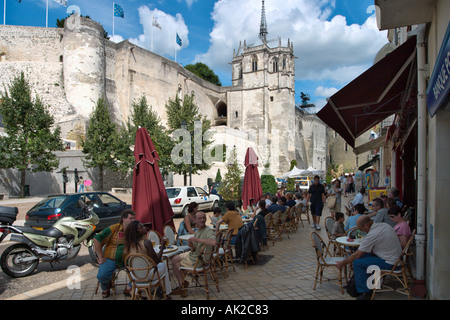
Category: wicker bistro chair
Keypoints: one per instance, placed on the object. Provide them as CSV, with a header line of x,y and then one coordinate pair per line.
x,y
203,267
144,276
154,235
172,235
228,260
276,229
269,227
397,272
324,262
219,256
293,219
113,282
329,223
298,214
284,223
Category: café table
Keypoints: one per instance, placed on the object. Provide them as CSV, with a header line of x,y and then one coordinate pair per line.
x,y
346,241
168,251
186,237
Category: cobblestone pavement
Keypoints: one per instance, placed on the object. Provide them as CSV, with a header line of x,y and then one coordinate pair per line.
x,y
287,275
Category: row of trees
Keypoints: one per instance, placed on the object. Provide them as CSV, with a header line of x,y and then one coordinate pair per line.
x,y
31,138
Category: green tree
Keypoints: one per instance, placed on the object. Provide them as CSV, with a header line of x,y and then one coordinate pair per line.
x,y
204,72
218,176
186,113
100,144
230,189
29,143
143,116
268,184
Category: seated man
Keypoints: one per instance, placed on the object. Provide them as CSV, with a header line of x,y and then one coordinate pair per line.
x,y
274,207
380,213
359,198
108,246
233,218
203,236
358,212
380,247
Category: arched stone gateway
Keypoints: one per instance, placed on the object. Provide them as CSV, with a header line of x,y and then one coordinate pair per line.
x,y
221,108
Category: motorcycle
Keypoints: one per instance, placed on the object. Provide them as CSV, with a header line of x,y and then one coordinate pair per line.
x,y
62,241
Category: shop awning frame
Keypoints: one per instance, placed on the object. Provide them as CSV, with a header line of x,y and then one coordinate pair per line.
x,y
379,92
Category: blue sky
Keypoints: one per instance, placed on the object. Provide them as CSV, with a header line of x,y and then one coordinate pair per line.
x,y
334,40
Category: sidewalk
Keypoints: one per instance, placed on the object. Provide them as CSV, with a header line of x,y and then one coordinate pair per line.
x,y
287,275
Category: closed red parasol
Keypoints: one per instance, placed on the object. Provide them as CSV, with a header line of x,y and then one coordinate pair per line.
x,y
149,199
251,190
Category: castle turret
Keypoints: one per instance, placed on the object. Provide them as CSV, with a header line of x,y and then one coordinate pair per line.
x,y
84,63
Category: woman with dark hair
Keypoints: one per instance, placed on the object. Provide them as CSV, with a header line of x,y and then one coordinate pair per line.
x,y
188,225
136,241
401,228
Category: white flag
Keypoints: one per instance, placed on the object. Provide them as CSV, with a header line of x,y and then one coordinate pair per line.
x,y
155,23
62,2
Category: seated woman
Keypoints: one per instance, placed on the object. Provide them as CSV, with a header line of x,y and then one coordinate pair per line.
x,y
401,228
188,225
135,241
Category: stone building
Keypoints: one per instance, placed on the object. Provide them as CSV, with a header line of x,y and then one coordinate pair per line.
x,y
71,68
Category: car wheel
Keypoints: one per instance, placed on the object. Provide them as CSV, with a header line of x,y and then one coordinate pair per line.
x,y
185,211
215,205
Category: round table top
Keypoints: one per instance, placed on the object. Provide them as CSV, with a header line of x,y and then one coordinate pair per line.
x,y
186,237
169,249
348,242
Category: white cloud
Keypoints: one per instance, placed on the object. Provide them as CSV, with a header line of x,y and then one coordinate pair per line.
x,y
164,40
188,2
325,92
326,49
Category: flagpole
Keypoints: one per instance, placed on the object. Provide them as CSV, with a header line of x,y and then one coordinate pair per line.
x,y
4,12
151,46
46,15
113,19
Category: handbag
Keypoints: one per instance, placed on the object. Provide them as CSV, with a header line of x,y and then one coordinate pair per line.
x,y
351,287
331,202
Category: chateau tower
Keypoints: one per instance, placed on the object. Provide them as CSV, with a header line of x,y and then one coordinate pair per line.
x,y
264,73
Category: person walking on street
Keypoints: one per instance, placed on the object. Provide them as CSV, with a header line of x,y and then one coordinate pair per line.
x,y
317,197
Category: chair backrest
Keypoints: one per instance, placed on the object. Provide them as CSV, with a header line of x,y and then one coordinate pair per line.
x,y
347,209
329,223
170,233
268,218
227,239
351,231
405,250
140,266
154,235
318,244
276,218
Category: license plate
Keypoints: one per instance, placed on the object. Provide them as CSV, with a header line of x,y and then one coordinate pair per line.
x,y
38,228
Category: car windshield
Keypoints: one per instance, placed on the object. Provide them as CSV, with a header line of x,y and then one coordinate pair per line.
x,y
173,192
50,202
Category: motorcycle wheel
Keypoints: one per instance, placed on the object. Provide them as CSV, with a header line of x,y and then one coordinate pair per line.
x,y
93,256
10,261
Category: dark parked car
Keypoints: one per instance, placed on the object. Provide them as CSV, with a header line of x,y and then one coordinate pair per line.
x,y
45,213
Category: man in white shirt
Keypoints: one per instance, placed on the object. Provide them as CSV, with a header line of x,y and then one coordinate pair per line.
x,y
380,247
359,198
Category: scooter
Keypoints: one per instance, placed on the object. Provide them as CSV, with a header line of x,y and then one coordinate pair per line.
x,y
62,241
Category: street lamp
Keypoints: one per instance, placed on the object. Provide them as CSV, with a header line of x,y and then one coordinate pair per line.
x,y
321,160
184,127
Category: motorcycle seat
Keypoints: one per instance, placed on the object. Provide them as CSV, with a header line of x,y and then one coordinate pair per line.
x,y
50,232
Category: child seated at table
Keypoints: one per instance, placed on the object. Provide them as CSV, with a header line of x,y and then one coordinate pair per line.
x,y
217,212
338,227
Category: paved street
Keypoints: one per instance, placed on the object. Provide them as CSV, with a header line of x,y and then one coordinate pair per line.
x,y
288,274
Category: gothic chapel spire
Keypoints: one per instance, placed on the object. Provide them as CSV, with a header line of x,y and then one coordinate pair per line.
x,y
263,27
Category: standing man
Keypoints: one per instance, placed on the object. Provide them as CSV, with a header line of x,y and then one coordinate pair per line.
x,y
380,247
317,197
108,246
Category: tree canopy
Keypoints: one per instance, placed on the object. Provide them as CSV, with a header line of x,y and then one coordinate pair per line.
x,y
204,72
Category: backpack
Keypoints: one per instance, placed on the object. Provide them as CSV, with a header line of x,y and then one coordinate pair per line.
x,y
351,287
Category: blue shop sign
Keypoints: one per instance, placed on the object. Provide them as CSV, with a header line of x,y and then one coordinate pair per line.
x,y
439,86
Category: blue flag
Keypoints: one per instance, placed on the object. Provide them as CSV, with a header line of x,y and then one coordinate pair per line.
x,y
179,40
118,11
